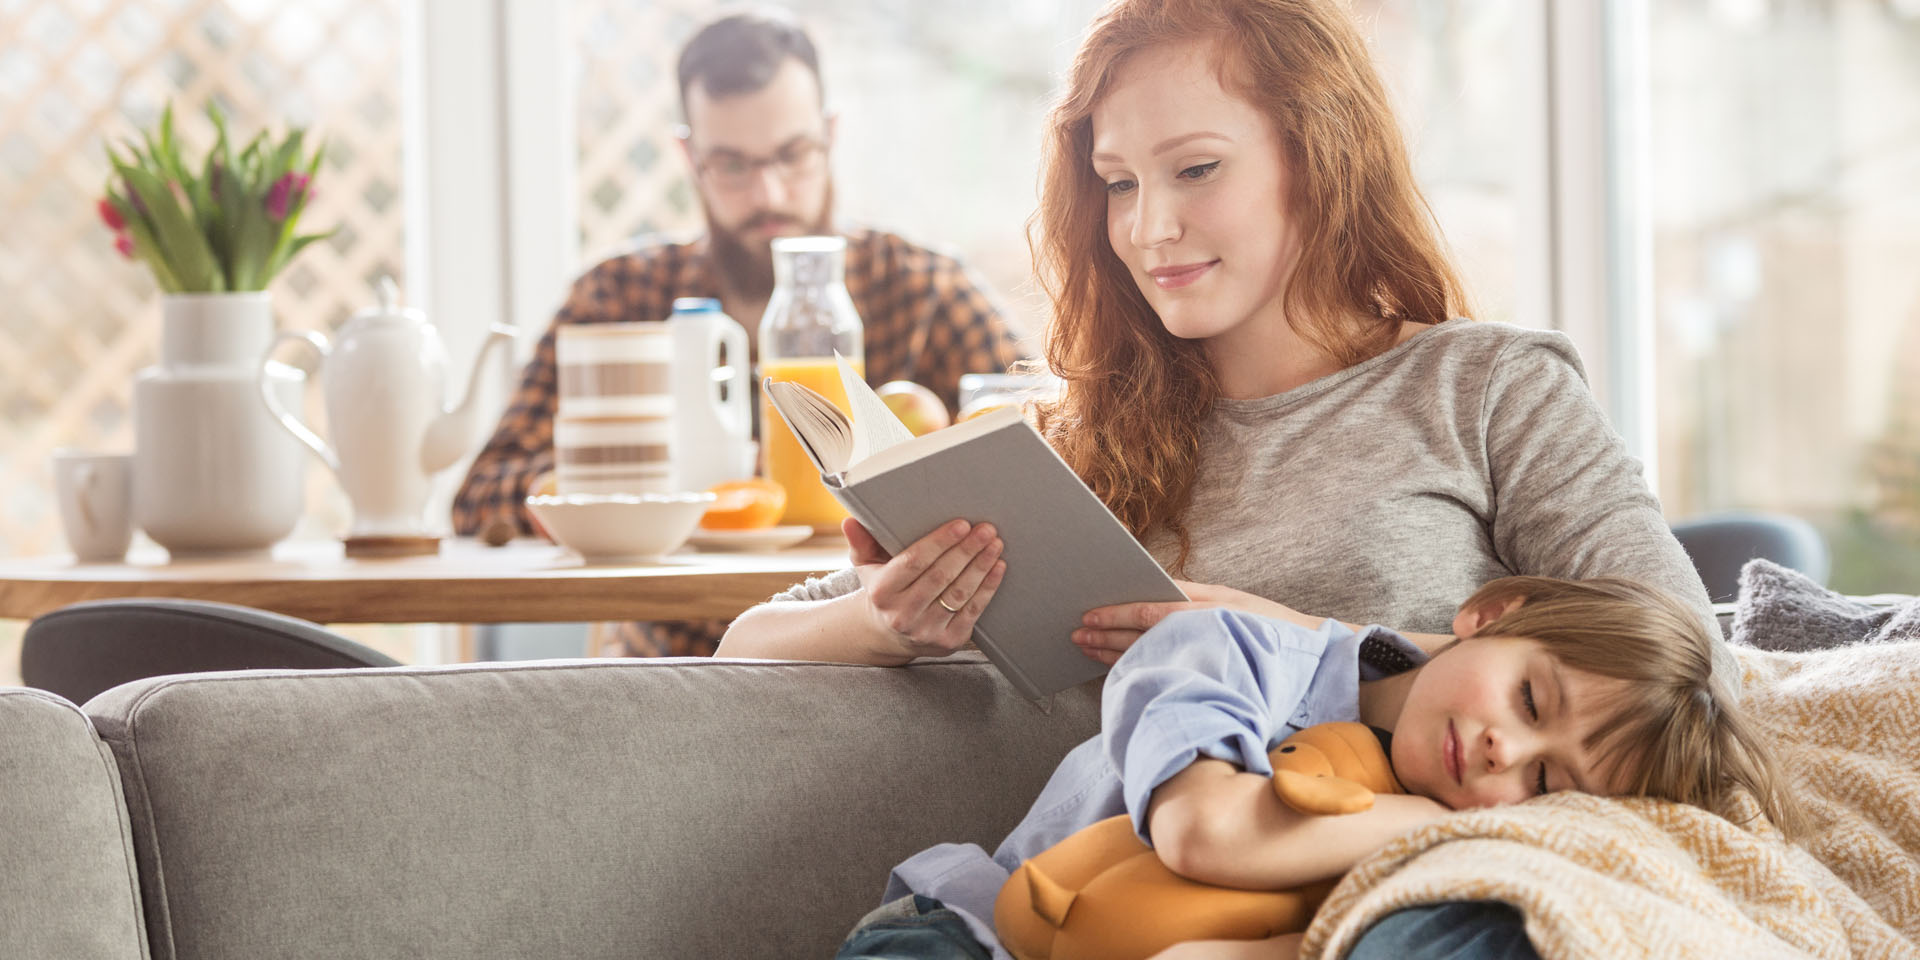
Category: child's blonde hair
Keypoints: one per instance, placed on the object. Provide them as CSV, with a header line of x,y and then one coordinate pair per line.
x,y
1671,730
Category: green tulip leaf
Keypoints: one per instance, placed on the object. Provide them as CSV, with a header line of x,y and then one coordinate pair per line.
x,y
206,227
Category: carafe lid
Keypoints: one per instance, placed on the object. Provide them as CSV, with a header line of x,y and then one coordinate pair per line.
x,y
696,305
809,261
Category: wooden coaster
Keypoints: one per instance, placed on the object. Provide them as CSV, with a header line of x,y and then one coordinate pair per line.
x,y
370,548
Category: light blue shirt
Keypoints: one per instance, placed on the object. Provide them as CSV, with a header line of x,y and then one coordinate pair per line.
x,y
1213,683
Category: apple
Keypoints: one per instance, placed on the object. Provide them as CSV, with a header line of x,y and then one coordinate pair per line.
x,y
915,405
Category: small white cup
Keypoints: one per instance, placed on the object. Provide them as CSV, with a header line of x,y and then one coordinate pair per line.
x,y
96,503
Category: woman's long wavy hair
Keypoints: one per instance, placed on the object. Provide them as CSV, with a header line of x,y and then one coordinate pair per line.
x,y
1128,420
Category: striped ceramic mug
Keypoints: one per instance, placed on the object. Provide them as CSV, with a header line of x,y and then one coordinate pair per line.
x,y
615,369
612,454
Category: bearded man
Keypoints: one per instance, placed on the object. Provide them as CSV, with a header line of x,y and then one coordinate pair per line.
x,y
758,139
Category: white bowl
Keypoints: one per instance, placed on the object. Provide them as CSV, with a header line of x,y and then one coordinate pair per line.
x,y
620,527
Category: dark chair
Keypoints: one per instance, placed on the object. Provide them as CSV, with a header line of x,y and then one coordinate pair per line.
x,y
1720,544
80,650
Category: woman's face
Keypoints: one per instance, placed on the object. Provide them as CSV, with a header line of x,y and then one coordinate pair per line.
x,y
1196,192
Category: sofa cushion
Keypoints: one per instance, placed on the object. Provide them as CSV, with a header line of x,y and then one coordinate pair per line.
x,y
67,884
1784,609
585,809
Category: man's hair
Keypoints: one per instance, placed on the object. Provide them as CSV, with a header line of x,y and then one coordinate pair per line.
x,y
741,52
1669,728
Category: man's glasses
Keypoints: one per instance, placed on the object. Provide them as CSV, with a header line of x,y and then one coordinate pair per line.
x,y
733,170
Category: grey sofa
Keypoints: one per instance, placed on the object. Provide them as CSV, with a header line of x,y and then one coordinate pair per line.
x,y
586,810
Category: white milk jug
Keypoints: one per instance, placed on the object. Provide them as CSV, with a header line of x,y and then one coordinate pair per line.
x,y
384,380
712,438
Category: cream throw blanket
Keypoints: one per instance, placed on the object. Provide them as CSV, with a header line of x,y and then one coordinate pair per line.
x,y
1643,878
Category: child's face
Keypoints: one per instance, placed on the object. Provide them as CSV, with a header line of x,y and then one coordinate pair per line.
x,y
1488,720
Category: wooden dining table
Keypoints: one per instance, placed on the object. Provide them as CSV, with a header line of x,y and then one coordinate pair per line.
x,y
466,582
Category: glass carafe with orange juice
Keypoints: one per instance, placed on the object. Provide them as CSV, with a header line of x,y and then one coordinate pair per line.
x,y
809,318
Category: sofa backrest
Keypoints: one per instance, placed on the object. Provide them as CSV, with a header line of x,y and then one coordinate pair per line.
x,y
67,884
585,809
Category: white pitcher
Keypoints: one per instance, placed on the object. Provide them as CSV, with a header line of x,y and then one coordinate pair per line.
x,y
383,383
712,436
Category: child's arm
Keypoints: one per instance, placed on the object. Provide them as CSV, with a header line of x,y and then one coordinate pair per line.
x,y
1214,823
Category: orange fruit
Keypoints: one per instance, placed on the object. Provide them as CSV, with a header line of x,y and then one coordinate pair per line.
x,y
753,504
980,406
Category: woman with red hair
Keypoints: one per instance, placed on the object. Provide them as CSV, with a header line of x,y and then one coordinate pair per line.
x,y
1268,377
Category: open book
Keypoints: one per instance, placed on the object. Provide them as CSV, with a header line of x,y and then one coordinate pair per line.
x,y
1065,552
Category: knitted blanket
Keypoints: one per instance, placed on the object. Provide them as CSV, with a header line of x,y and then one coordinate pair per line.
x,y
1644,878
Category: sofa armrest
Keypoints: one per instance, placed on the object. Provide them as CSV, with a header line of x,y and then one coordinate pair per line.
x,y
67,884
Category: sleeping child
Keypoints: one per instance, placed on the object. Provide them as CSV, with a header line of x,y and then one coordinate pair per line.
x,y
1600,686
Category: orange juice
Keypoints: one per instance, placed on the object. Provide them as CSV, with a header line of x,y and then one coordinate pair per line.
x,y
808,501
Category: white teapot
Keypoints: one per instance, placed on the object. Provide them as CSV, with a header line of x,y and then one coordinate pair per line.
x,y
383,383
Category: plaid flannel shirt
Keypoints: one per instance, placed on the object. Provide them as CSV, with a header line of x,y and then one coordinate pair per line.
x,y
925,319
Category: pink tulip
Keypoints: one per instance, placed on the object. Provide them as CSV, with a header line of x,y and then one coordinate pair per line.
x,y
290,188
110,215
123,242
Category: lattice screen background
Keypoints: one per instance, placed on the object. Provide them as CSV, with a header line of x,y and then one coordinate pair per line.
x,y
76,320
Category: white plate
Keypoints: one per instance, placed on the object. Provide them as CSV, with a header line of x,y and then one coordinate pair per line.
x,y
765,538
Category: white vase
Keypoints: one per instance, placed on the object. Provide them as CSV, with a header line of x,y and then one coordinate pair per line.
x,y
213,472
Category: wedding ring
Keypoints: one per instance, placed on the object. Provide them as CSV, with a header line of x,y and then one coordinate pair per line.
x,y
943,606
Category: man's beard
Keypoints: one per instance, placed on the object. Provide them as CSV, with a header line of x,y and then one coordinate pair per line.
x,y
745,264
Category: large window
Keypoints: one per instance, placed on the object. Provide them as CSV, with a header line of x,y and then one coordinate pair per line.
x,y
77,320
941,110
1781,141
1785,146
1455,68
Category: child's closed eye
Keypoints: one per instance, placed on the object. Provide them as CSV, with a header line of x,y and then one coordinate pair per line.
x,y
1533,714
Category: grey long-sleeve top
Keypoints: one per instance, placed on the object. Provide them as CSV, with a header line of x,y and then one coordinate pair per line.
x,y
1388,492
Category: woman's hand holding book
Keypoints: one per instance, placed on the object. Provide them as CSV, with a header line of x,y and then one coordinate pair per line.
x,y
925,601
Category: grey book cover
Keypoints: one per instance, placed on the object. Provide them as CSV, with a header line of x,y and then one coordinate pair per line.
x,y
1066,553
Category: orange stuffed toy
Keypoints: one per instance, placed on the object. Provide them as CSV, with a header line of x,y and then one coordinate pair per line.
x,y
1101,893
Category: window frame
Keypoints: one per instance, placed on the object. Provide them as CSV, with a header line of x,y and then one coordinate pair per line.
x,y
1587,236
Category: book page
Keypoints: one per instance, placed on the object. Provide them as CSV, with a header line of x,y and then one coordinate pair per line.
x,y
824,434
897,455
875,428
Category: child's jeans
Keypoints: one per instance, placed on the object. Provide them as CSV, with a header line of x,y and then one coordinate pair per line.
x,y
919,928
912,928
